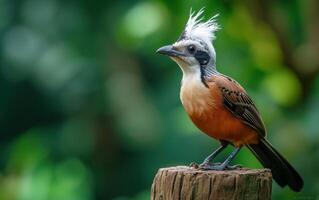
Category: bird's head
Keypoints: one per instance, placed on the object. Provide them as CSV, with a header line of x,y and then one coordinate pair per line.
x,y
194,51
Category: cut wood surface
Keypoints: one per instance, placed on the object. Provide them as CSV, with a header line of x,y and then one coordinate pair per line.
x,y
183,182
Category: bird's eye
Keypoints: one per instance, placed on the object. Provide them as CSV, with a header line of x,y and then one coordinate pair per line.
x,y
202,57
191,49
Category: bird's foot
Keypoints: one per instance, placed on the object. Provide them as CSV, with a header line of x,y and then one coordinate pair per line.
x,y
233,167
218,166
203,165
207,165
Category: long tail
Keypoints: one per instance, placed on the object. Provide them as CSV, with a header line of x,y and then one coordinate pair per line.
x,y
283,173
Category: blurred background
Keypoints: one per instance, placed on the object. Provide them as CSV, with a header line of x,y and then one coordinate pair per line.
x,y
88,110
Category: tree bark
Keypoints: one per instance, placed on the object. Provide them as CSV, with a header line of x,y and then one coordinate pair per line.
x,y
188,183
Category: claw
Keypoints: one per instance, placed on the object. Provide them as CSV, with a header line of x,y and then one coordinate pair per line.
x,y
194,165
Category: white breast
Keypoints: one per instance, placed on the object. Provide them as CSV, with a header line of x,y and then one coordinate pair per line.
x,y
195,97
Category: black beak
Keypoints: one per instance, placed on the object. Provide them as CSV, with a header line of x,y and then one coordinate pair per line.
x,y
169,51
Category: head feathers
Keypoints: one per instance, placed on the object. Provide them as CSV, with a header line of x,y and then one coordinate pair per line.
x,y
197,29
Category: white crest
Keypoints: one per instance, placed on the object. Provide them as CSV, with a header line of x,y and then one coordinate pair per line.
x,y
196,28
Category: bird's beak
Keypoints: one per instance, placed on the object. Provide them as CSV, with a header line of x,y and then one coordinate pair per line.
x,y
169,51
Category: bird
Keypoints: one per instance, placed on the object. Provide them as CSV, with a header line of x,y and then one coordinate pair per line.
x,y
219,106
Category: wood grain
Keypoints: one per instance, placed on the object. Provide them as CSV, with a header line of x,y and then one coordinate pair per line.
x,y
187,183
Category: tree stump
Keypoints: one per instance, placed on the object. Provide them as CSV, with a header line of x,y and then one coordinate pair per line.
x,y
188,183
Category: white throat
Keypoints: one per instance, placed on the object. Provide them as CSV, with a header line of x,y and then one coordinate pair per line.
x,y
192,88
190,72
194,94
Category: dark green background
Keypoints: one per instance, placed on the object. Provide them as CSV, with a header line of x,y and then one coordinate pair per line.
x,y
88,110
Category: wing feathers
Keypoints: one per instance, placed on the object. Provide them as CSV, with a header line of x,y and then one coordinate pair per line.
x,y
237,101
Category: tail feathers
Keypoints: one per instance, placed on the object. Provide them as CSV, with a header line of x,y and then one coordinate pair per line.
x,y
283,173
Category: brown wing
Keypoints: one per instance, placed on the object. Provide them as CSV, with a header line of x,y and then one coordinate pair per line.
x,y
237,101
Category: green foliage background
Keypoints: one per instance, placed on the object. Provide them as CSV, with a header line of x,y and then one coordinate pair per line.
x,y
89,111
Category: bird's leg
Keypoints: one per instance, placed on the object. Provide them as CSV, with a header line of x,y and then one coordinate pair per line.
x,y
213,155
224,165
